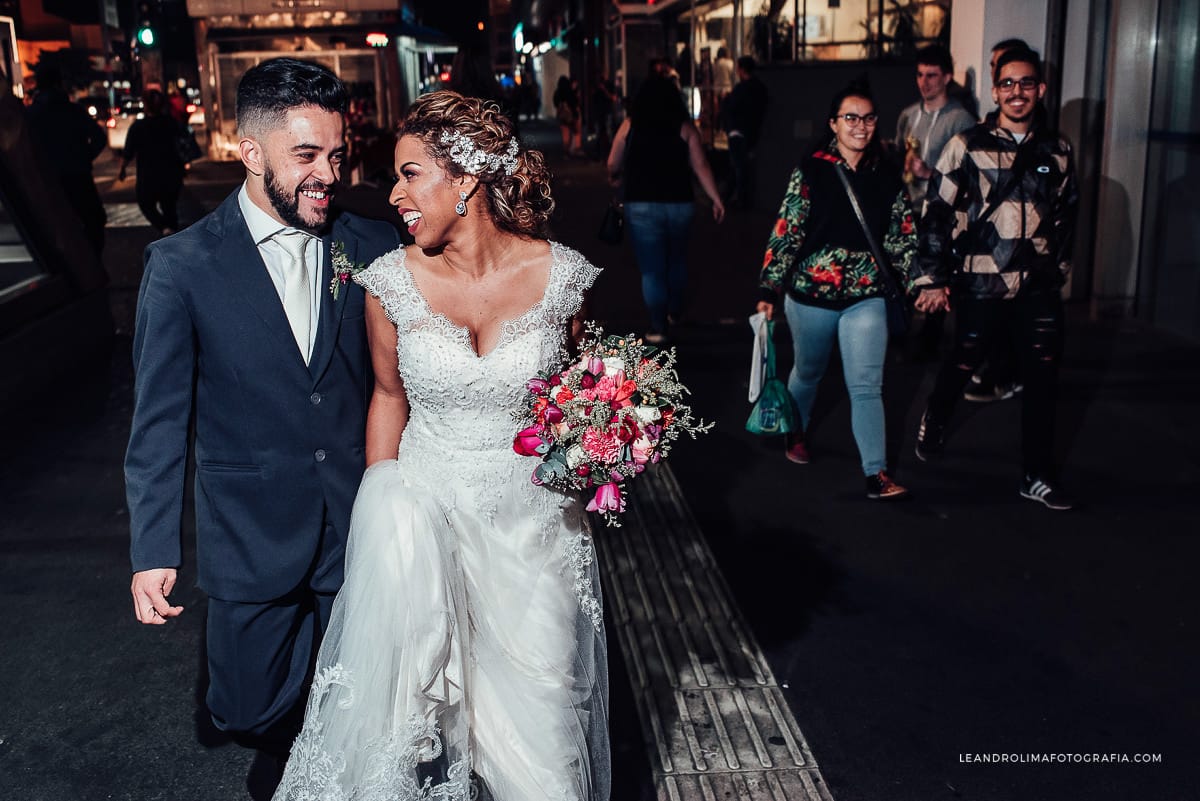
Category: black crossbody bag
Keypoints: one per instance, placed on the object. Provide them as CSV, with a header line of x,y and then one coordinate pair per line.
x,y
898,314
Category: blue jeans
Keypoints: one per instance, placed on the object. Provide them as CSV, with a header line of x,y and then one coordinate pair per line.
x,y
861,332
659,233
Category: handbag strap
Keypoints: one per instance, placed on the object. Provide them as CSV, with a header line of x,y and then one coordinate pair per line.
x,y
891,286
769,363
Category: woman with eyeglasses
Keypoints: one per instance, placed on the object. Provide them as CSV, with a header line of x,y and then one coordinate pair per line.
x,y
819,265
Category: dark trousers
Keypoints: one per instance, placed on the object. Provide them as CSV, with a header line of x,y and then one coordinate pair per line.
x,y
1032,323
739,166
158,198
260,655
81,193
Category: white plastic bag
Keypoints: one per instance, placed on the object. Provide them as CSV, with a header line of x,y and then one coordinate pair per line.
x,y
758,355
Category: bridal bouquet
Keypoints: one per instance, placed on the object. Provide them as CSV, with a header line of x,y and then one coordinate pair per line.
x,y
600,421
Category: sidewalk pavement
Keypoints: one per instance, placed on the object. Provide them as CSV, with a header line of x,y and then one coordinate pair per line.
x,y
909,637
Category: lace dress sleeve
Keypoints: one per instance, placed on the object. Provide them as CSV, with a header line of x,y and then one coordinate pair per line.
x,y
576,276
388,280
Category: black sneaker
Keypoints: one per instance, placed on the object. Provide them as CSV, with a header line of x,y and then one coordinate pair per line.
x,y
982,390
880,487
929,437
1035,489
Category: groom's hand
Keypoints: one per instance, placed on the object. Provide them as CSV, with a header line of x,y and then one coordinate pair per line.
x,y
150,589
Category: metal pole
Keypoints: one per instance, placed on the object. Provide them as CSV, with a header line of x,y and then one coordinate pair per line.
x,y
795,30
804,32
692,47
737,29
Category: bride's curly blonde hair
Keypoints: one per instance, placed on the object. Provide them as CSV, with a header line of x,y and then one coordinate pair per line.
x,y
519,203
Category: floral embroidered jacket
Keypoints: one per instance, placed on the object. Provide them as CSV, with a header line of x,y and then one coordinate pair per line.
x,y
817,252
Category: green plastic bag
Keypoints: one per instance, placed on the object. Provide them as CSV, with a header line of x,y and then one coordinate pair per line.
x,y
773,412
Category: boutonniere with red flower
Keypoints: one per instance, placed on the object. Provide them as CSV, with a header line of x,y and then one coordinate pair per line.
x,y
343,268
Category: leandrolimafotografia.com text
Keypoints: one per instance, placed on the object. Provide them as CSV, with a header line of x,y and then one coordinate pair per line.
x,y
1059,759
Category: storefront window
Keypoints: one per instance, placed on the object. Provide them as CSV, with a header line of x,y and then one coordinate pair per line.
x,y
827,30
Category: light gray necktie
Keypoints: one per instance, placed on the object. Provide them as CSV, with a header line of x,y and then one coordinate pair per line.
x,y
297,293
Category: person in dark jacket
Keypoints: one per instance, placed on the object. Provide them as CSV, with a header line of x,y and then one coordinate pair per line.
x,y
1004,277
154,142
240,340
819,264
70,140
742,116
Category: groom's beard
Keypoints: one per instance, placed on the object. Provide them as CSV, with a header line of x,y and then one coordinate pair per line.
x,y
287,204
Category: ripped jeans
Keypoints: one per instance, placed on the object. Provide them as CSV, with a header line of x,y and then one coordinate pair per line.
x,y
1033,323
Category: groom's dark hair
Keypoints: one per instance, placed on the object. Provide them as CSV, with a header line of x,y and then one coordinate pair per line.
x,y
268,90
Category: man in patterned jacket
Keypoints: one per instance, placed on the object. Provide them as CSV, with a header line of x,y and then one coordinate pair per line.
x,y
995,243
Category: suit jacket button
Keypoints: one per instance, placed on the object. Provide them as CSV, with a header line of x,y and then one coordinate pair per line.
x,y
319,455
315,398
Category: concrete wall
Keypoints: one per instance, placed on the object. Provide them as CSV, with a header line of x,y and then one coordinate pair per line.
x,y
976,25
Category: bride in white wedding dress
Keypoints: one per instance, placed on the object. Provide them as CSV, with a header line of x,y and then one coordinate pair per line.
x,y
465,657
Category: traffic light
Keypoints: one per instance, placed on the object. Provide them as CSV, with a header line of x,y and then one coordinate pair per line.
x,y
146,36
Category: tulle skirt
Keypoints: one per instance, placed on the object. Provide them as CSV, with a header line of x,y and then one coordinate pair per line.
x,y
465,652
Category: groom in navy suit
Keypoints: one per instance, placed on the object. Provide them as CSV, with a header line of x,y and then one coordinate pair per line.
x,y
239,334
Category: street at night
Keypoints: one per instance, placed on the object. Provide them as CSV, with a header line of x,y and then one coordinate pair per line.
x,y
910,640
189,191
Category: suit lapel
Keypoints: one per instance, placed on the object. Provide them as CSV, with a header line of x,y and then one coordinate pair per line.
x,y
330,320
241,266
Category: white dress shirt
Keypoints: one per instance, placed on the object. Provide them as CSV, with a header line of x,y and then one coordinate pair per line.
x,y
262,228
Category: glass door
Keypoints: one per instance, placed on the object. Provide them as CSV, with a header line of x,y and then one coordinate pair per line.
x,y
1169,294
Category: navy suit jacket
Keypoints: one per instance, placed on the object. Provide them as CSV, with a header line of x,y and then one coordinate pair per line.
x,y
279,445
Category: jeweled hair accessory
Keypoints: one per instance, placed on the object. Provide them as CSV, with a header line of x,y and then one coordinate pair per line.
x,y
474,160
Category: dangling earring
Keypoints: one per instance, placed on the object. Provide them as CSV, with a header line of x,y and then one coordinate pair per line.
x,y
460,208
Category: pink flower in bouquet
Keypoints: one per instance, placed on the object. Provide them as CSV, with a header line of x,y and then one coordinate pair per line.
x,y
595,366
642,449
608,498
587,381
537,386
613,389
528,441
552,415
601,446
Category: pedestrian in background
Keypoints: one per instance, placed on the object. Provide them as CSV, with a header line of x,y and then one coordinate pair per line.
x,y
567,110
654,157
819,263
1007,285
153,141
923,130
926,126
604,105
741,118
71,140
724,71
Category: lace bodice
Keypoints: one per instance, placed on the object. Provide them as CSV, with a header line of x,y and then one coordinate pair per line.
x,y
463,406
